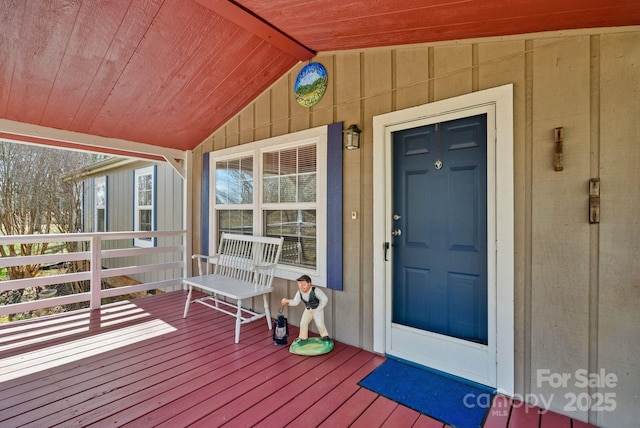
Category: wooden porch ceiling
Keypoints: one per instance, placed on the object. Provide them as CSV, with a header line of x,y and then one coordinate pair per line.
x,y
168,73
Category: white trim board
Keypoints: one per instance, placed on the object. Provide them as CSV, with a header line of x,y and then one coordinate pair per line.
x,y
31,134
500,185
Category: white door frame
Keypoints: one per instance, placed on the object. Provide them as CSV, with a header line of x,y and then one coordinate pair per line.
x,y
499,177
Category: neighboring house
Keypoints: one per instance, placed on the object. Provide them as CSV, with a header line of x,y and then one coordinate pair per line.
x,y
123,194
549,312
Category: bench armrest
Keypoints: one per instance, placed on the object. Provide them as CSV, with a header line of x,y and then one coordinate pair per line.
x,y
203,257
207,259
265,267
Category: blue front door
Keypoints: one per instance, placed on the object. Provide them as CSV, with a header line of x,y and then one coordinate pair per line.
x,y
440,228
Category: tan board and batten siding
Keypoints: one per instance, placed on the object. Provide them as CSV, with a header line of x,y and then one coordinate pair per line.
x,y
577,285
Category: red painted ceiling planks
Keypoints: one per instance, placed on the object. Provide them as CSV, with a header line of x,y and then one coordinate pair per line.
x,y
44,35
11,13
170,72
124,44
88,43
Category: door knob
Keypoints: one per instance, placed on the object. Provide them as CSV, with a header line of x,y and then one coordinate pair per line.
x,y
396,232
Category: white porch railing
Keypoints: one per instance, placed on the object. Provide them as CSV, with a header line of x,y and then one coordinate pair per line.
x,y
95,256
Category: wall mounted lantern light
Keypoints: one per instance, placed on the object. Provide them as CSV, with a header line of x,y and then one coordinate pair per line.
x,y
352,137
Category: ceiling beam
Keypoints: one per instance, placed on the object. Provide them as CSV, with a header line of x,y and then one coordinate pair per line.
x,y
255,25
35,134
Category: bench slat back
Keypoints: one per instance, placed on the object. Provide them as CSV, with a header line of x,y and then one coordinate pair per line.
x,y
241,257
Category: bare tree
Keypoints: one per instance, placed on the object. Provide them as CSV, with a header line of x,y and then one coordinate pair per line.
x,y
37,195
67,210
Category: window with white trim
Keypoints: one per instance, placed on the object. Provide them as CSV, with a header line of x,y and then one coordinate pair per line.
x,y
274,187
289,202
144,204
100,199
234,195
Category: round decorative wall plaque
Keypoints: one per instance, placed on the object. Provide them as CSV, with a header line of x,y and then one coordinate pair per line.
x,y
311,84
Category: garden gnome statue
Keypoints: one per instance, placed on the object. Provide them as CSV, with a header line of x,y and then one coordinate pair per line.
x,y
315,301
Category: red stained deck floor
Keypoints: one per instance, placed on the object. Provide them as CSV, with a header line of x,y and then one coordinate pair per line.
x,y
140,364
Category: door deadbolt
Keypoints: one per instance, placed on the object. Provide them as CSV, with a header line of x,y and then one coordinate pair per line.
x,y
396,217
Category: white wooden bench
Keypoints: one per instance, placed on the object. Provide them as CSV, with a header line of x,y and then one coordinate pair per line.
x,y
242,268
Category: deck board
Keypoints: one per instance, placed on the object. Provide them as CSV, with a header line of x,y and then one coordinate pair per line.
x,y
498,415
350,409
554,420
284,390
401,417
267,380
201,383
316,394
524,415
89,368
325,405
380,410
190,380
425,421
140,364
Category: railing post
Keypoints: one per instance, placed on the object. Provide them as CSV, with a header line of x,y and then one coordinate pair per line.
x,y
96,271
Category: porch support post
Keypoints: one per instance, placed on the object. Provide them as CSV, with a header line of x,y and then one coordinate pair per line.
x,y
96,268
187,212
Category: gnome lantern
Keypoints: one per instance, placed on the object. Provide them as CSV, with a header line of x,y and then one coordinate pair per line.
x,y
281,330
